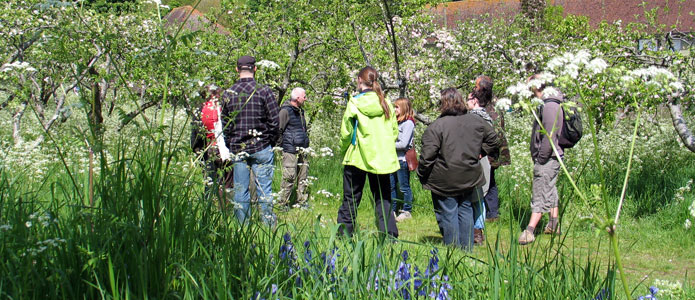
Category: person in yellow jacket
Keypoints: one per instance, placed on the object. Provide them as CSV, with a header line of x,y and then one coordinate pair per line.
x,y
367,134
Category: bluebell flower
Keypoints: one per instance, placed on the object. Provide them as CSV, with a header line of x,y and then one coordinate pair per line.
x,y
443,293
602,295
652,294
273,289
653,290
433,265
405,255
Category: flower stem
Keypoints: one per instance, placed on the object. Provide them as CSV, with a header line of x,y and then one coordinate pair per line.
x,y
612,234
629,165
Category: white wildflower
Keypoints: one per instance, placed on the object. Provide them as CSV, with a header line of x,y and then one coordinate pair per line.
x,y
597,65
325,151
28,224
5,227
687,224
503,104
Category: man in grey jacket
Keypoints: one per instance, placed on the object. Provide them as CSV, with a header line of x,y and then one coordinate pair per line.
x,y
546,167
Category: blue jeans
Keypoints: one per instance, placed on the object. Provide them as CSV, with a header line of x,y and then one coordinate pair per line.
x,y
492,200
479,210
402,176
455,218
262,164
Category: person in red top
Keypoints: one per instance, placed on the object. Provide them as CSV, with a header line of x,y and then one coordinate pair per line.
x,y
207,140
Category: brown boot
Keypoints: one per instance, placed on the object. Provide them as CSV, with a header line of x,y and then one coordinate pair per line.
x,y
478,236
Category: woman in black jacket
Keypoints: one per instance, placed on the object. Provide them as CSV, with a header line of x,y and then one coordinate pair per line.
x,y
449,166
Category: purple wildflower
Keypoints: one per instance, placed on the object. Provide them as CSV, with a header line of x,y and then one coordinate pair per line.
x,y
602,295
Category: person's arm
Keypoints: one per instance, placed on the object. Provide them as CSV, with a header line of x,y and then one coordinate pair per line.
x,y
405,134
431,143
283,120
347,127
491,142
273,122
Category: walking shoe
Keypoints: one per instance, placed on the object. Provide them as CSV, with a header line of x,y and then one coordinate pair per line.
x,y
478,237
403,215
526,237
548,230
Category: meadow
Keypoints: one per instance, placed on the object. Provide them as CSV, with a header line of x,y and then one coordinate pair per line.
x,y
145,229
102,197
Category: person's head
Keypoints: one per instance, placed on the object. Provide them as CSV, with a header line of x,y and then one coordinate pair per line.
x,y
483,90
297,97
538,89
212,91
246,66
404,110
368,78
452,102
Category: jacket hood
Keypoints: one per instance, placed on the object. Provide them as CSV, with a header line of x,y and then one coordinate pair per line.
x,y
368,104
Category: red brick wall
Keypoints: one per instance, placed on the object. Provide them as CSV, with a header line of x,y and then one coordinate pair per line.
x,y
610,10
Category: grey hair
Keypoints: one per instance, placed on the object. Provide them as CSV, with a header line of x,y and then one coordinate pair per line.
x,y
296,92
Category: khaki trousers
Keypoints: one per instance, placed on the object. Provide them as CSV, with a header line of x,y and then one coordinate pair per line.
x,y
295,169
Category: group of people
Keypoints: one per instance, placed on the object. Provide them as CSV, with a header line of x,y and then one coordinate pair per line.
x,y
460,152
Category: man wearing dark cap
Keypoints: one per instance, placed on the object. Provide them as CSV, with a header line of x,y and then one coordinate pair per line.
x,y
250,120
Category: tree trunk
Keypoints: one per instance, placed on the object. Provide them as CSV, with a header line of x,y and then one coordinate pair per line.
x,y
47,126
16,124
681,126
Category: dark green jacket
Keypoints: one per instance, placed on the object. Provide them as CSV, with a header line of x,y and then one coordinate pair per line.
x,y
449,163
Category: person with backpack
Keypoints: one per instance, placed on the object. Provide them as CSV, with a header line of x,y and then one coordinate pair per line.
x,y
367,135
208,141
449,166
546,167
294,137
406,129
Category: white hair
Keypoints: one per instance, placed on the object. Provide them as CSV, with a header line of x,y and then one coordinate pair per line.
x,y
296,92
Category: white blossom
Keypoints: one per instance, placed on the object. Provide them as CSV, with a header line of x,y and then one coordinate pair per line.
x,y
267,64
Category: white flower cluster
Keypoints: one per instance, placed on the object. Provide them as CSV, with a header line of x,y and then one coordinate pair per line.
x,y
5,227
267,64
679,195
688,223
523,89
503,104
254,132
668,289
325,151
660,79
42,246
45,219
18,66
325,193
571,63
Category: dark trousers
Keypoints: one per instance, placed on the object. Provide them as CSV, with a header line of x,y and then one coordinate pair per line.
x,y
455,218
492,197
380,185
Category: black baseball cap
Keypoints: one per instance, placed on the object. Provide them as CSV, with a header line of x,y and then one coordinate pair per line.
x,y
246,62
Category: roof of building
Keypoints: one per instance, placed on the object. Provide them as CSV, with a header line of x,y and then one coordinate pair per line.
x,y
677,15
196,21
